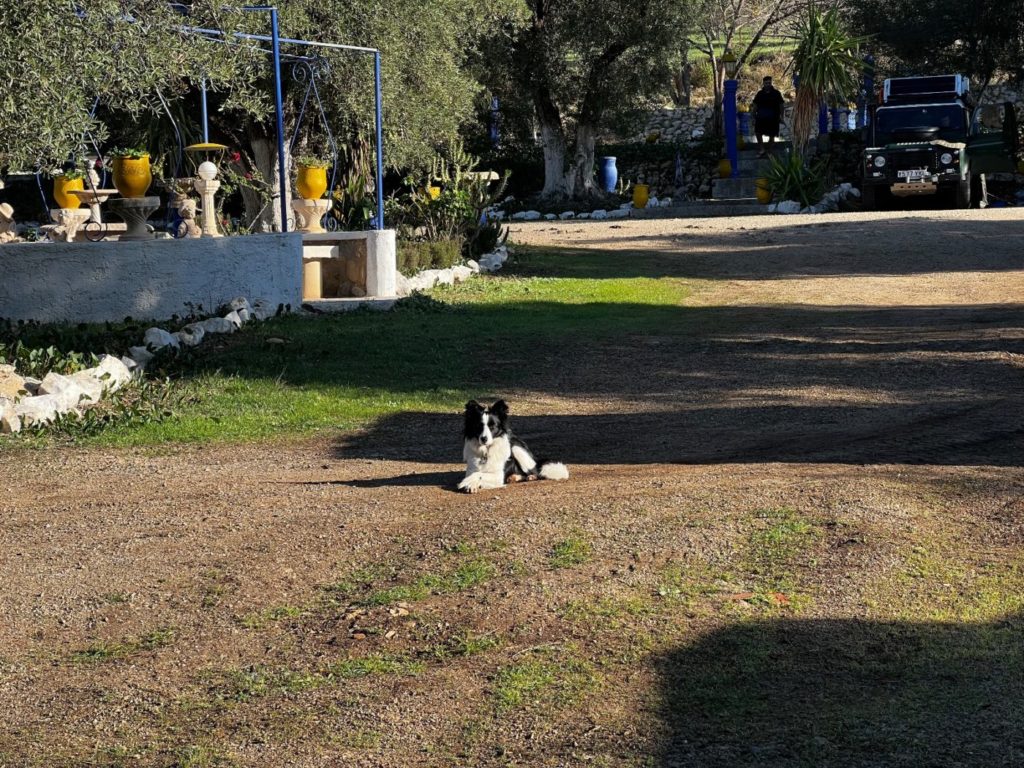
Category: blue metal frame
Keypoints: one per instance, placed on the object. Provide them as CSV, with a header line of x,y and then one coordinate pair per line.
x,y
276,41
729,116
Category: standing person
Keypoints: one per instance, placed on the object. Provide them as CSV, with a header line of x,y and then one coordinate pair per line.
x,y
768,106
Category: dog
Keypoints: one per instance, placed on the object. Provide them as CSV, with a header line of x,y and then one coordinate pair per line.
x,y
494,456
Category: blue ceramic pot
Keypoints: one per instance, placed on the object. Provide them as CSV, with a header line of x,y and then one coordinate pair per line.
x,y
609,174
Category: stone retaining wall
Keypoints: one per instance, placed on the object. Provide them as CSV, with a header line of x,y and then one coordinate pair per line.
x,y
96,282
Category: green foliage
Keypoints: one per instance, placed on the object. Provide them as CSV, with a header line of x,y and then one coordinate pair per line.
x,y
921,37
311,161
791,178
571,551
414,256
131,153
828,64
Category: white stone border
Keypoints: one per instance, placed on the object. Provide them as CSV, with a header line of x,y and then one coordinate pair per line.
x,y
58,395
428,278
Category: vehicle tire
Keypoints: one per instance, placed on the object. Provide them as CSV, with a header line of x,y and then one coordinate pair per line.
x,y
868,199
979,191
963,193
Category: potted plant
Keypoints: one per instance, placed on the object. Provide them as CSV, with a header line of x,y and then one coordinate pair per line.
x,y
311,177
132,174
63,182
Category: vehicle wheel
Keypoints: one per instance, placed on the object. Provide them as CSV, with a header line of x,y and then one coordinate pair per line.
x,y
979,191
867,197
963,193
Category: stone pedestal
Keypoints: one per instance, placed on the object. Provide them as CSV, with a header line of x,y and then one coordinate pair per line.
x,y
94,198
308,214
68,221
134,211
206,190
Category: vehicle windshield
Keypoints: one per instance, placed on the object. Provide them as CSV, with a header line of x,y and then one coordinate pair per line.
x,y
894,125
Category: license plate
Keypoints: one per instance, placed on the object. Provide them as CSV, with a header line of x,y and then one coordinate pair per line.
x,y
913,175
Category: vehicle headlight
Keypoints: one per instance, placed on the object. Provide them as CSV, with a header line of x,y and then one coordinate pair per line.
x,y
879,161
946,158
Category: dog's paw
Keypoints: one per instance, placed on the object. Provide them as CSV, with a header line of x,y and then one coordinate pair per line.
x,y
469,484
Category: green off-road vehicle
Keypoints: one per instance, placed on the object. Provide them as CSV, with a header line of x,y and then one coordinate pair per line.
x,y
925,138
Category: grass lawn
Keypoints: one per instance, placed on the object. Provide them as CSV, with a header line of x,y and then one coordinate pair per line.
x,y
298,375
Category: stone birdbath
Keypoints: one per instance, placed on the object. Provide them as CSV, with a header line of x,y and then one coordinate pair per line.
x,y
134,211
94,198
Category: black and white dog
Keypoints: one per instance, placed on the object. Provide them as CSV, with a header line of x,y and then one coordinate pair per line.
x,y
494,456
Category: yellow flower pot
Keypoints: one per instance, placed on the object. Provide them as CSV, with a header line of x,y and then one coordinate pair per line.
x,y
641,193
62,187
132,176
724,168
763,192
311,182
434,192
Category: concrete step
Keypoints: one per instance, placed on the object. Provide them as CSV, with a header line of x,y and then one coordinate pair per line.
x,y
739,188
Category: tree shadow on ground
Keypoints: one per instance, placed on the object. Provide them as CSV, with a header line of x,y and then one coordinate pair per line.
x,y
846,693
786,251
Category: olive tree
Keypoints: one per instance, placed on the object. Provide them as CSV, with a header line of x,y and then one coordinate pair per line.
x,y
581,64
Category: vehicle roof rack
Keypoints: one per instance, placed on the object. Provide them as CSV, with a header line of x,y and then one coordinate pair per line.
x,y
937,88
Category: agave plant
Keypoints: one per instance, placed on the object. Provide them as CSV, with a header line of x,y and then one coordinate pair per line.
x,y
791,178
827,63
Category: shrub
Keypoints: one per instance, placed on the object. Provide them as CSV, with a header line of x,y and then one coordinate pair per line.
x,y
793,179
415,255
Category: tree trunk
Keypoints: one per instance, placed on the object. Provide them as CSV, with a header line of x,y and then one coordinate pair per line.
x,y
580,178
260,215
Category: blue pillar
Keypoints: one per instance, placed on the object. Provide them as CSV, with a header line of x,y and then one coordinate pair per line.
x,y
206,121
495,132
379,109
834,111
282,171
729,115
822,118
869,90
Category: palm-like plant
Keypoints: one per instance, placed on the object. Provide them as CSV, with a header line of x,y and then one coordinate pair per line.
x,y
827,63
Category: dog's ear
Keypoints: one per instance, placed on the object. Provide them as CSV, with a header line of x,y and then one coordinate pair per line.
x,y
473,405
500,409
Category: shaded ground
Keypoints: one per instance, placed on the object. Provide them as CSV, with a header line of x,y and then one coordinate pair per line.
x,y
794,535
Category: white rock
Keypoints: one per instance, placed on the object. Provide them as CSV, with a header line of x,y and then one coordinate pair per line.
x,y
567,215
32,385
618,213
234,318
89,384
653,202
584,215
113,373
519,216
132,366
787,206
191,335
9,420
550,216
140,356
356,291
239,304
600,213
625,206
473,265
462,274
666,202
11,384
158,338
531,216
262,309
218,325
402,285
37,410
69,395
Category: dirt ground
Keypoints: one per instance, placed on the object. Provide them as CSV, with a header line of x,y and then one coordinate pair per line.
x,y
184,606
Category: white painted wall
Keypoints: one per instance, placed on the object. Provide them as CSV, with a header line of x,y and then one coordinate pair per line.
x,y
94,282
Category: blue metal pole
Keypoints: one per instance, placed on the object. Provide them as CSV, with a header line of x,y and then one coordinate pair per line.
x,y
729,107
279,109
206,122
379,221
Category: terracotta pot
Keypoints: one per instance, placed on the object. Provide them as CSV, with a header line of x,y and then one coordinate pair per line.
x,y
641,194
311,182
132,177
62,187
763,192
